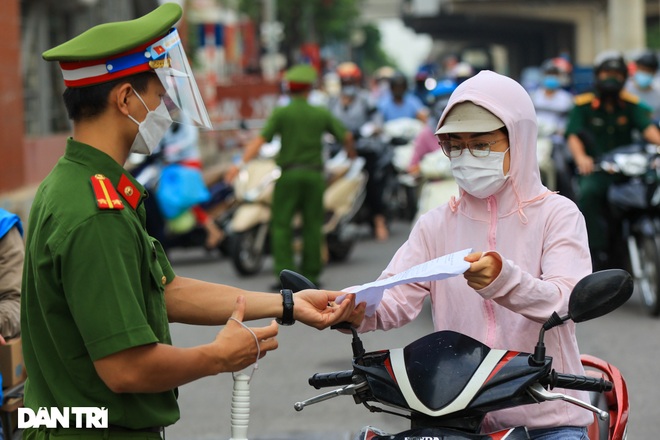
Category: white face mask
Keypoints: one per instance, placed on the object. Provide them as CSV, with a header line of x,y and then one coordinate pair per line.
x,y
152,129
479,176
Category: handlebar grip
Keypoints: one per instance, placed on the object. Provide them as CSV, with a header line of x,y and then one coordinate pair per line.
x,y
575,382
337,378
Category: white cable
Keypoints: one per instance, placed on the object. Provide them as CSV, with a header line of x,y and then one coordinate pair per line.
x,y
256,341
240,396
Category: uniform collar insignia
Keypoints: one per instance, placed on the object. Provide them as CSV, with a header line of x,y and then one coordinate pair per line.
x,y
129,191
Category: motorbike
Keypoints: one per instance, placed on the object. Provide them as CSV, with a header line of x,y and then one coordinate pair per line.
x,y
634,200
182,231
555,161
400,194
438,185
248,229
469,379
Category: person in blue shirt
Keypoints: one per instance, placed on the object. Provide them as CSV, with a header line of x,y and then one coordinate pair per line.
x,y
400,103
12,252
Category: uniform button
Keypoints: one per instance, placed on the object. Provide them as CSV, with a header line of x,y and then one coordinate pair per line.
x,y
163,280
128,191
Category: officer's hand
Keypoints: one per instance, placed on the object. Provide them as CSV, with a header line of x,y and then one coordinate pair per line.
x,y
484,268
231,173
317,308
584,164
235,346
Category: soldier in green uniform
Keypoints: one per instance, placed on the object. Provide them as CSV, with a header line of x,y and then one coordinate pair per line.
x,y
599,122
300,187
98,292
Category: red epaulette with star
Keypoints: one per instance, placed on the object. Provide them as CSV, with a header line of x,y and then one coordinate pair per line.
x,y
106,196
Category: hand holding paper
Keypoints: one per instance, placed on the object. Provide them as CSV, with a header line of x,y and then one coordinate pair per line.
x,y
440,268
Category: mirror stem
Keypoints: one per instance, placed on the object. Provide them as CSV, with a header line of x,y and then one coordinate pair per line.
x,y
538,358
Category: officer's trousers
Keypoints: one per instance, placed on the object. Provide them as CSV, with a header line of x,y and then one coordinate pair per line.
x,y
594,206
298,190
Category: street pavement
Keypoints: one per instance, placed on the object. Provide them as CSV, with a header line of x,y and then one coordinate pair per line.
x,y
627,338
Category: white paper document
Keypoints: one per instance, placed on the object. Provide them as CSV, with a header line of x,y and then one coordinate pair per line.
x,y
440,268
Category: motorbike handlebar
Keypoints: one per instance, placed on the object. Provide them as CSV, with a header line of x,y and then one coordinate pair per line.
x,y
336,378
575,382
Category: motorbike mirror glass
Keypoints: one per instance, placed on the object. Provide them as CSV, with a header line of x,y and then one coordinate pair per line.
x,y
294,281
599,293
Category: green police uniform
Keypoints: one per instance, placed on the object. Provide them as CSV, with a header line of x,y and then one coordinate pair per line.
x,y
93,285
93,279
601,132
301,185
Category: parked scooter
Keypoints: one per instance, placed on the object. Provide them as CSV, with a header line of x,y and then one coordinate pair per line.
x,y
248,230
634,201
471,380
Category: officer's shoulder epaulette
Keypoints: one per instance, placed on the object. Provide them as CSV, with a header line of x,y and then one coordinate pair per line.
x,y
105,194
584,98
629,97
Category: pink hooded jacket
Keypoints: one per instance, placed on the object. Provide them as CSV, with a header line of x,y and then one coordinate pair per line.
x,y
539,235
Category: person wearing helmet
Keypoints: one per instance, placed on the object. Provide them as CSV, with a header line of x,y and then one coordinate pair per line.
x,y
552,104
599,122
400,103
642,83
356,110
97,291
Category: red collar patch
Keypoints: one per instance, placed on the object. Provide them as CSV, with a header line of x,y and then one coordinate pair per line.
x,y
129,191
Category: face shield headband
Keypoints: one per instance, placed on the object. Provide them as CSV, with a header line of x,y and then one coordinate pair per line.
x,y
167,58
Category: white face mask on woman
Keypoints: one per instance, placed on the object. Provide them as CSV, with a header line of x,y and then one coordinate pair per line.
x,y
479,176
152,129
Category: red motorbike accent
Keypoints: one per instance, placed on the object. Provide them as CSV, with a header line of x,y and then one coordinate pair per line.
x,y
617,399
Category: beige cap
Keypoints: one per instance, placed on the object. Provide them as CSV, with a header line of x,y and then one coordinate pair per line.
x,y
468,117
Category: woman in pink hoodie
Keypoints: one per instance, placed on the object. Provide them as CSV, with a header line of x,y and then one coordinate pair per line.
x,y
531,248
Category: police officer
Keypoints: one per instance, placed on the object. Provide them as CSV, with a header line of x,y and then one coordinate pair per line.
x,y
300,187
599,122
98,292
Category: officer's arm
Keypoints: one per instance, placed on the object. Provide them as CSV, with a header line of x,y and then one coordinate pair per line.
x,y
153,368
584,162
192,301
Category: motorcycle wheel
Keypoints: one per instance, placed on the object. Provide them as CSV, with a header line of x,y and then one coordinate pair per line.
x,y
247,256
649,249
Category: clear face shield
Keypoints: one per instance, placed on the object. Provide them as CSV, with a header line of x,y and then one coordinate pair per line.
x,y
183,99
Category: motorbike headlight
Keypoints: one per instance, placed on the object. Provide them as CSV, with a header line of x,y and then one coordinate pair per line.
x,y
634,164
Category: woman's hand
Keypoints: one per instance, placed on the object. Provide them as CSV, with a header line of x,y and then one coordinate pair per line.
x,y
484,268
317,308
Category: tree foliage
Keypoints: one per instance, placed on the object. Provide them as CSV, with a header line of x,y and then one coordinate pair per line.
x,y
324,22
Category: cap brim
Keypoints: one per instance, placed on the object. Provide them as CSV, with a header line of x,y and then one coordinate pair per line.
x,y
469,127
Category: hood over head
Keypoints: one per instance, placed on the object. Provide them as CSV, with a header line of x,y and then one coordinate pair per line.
x,y
511,104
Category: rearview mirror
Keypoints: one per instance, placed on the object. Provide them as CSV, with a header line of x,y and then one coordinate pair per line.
x,y
599,293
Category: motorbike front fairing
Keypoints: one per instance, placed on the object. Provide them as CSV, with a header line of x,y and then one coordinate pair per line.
x,y
446,374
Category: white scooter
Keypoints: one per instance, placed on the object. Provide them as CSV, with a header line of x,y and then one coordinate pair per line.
x,y
248,230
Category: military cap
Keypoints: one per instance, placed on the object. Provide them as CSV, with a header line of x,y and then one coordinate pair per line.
x,y
301,74
114,50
